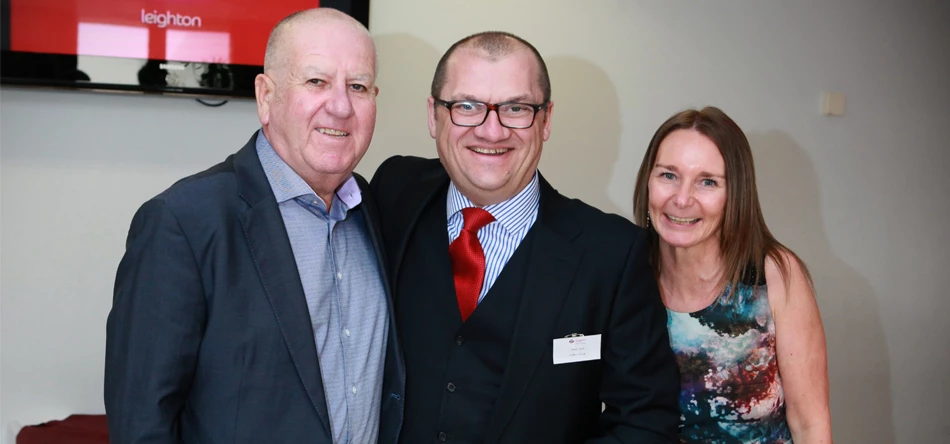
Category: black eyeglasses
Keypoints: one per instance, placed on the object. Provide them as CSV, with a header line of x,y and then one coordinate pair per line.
x,y
474,113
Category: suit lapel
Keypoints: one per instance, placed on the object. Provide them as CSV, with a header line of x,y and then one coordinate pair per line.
x,y
273,256
432,237
553,261
412,203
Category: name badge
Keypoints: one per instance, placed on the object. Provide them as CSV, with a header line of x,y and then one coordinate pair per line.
x,y
576,348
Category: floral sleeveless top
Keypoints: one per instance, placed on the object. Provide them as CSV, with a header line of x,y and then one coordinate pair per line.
x,y
730,387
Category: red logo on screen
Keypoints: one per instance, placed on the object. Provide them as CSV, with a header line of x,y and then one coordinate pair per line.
x,y
170,19
206,31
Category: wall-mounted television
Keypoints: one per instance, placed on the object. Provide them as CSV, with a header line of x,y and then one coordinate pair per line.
x,y
187,47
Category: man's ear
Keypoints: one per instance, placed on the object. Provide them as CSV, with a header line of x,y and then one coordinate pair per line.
x,y
264,92
548,114
432,124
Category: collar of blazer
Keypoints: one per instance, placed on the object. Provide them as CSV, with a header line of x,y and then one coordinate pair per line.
x,y
252,184
553,211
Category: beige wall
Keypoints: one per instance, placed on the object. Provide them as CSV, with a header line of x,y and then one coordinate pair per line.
x,y
862,197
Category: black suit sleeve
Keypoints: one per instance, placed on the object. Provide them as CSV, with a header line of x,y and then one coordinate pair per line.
x,y
640,383
153,331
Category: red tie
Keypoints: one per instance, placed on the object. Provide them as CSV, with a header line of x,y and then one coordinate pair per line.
x,y
468,260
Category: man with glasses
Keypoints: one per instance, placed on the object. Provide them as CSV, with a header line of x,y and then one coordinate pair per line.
x,y
520,311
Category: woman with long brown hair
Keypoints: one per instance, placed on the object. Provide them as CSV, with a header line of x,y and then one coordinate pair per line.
x,y
742,315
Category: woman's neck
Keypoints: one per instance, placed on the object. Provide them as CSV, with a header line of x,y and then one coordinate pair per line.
x,y
689,277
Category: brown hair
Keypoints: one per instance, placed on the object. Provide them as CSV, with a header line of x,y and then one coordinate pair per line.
x,y
744,240
495,45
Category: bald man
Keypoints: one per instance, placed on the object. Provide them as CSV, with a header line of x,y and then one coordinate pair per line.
x,y
250,305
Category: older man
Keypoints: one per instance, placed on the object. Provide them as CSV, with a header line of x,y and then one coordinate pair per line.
x,y
250,305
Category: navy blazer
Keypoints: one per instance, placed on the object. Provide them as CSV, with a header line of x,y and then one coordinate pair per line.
x,y
588,273
209,337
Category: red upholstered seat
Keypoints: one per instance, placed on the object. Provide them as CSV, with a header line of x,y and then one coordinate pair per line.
x,y
76,429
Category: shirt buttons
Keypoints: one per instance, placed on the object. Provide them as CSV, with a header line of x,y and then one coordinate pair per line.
x,y
459,340
450,387
354,389
443,436
339,276
346,332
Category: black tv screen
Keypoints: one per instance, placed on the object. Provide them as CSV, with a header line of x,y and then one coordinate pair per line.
x,y
188,47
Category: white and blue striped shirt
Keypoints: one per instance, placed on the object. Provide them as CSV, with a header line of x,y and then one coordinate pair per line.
x,y
499,239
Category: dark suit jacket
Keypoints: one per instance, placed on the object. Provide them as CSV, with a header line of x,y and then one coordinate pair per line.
x,y
209,339
588,273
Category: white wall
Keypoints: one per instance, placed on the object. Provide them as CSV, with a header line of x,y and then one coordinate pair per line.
x,y
862,198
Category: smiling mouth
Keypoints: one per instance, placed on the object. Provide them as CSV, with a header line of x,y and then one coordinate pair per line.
x,y
682,220
491,152
332,132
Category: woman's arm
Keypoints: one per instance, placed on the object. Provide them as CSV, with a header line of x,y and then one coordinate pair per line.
x,y
802,354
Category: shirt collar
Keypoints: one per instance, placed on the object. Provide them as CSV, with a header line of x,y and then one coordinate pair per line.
x,y
513,214
288,185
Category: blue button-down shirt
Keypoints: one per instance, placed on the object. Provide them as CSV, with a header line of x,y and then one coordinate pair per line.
x,y
345,295
499,239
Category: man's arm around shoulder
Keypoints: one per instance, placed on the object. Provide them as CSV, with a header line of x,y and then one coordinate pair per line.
x,y
640,383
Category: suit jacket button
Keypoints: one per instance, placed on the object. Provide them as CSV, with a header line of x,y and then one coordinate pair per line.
x,y
459,340
443,436
450,387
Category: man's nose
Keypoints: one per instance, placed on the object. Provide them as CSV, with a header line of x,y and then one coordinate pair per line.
x,y
340,104
491,129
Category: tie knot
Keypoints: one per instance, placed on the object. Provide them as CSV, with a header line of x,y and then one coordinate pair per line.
x,y
475,219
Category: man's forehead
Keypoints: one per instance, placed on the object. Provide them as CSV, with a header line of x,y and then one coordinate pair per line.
x,y
474,62
315,63
322,50
503,79
472,54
